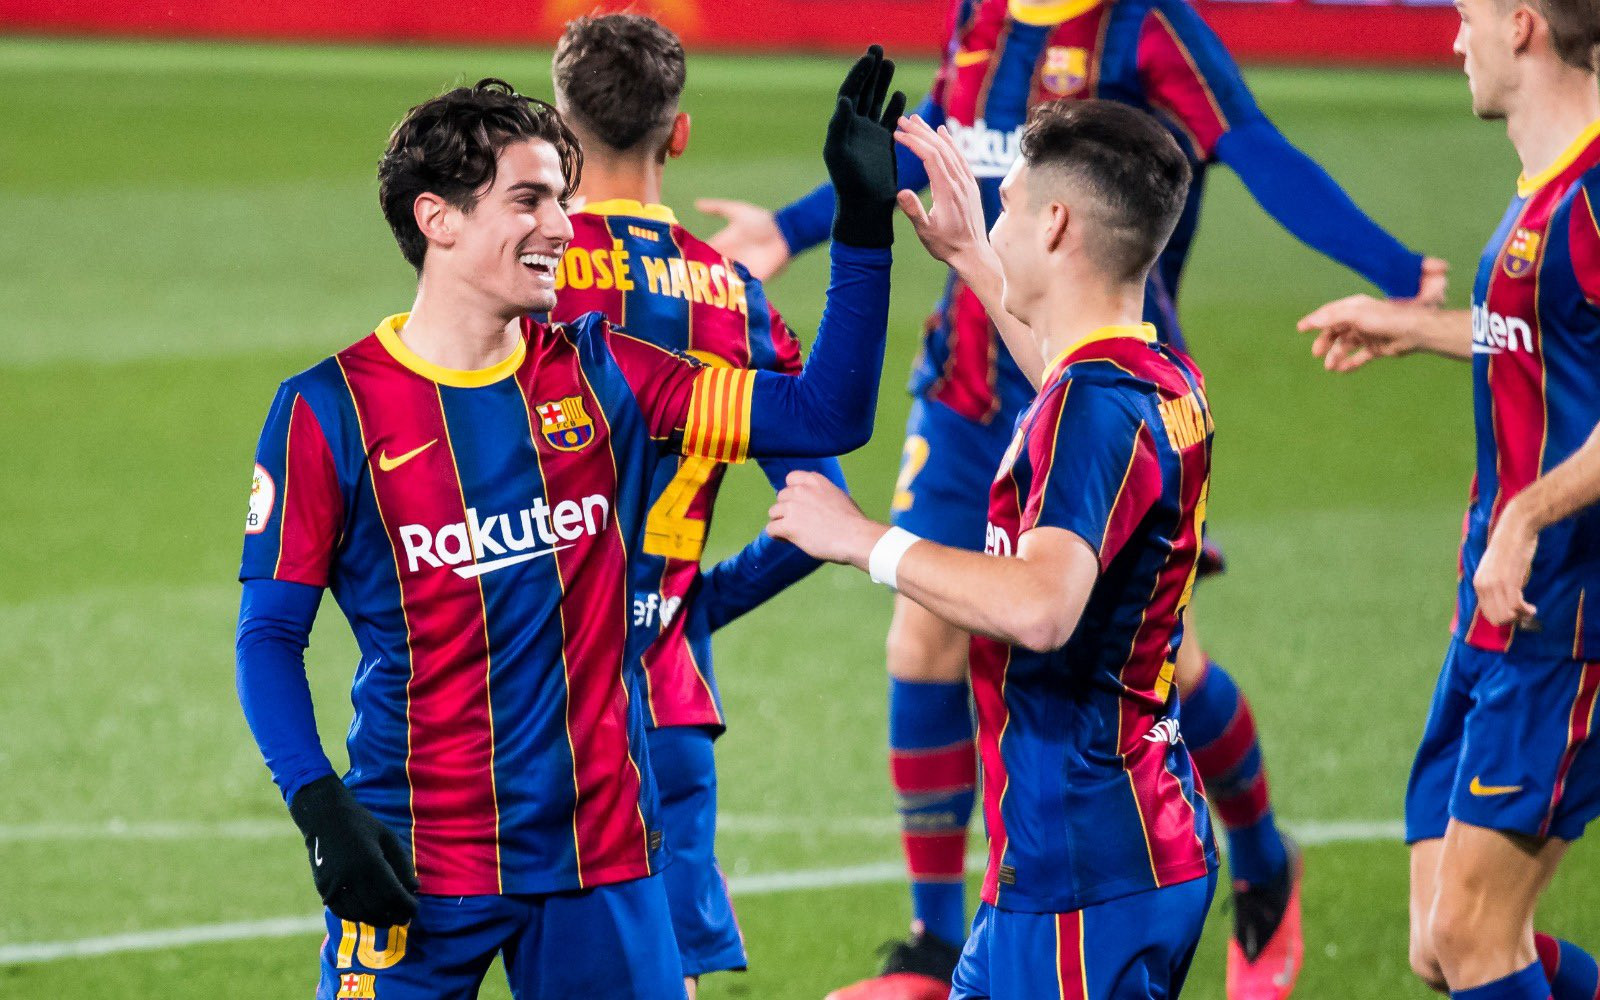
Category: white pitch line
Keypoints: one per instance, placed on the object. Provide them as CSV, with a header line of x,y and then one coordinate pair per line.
x,y
761,884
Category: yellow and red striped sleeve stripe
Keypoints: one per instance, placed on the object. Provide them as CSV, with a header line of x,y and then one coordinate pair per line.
x,y
718,426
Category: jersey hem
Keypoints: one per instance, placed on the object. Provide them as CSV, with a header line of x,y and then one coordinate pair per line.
x,y
1023,902
509,885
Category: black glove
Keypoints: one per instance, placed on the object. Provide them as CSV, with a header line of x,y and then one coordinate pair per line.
x,y
859,152
359,865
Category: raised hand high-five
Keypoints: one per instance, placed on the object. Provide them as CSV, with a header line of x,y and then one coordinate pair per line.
x,y
859,153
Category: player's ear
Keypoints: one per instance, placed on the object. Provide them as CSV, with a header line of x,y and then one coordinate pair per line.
x,y
1524,23
1056,219
436,218
678,139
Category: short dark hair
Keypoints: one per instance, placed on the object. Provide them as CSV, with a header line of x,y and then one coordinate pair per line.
x,y
1129,165
1574,31
620,77
449,147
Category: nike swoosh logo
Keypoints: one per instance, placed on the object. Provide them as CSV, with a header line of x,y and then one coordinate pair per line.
x,y
388,464
316,851
478,569
1480,789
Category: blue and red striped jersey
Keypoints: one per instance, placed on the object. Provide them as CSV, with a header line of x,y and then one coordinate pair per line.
x,y
476,530
1089,792
649,275
1536,397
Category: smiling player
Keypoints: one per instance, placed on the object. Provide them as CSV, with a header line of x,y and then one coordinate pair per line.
x,y
471,485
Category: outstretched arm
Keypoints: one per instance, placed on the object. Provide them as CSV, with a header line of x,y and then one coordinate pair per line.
x,y
1033,600
954,230
1354,330
766,567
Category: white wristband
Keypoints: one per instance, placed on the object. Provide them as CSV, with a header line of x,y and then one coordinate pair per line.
x,y
884,561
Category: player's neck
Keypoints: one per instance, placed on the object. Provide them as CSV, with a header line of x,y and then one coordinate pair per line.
x,y
636,179
1070,311
456,331
1551,116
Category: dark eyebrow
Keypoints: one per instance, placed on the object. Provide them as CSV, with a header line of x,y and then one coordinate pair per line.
x,y
539,188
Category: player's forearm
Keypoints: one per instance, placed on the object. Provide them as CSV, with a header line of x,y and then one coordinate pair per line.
x,y
1445,332
1009,600
828,409
1569,488
1310,204
270,674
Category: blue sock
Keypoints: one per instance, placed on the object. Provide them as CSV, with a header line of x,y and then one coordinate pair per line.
x,y
1571,971
1221,733
933,767
1529,984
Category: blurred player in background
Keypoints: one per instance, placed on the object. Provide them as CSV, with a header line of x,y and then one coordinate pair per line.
x,y
1003,58
1102,862
618,80
1508,773
471,485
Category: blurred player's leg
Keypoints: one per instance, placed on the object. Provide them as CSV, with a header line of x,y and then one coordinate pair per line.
x,y
1265,955
1424,886
703,920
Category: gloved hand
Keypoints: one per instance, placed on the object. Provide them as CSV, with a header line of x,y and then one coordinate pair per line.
x,y
359,865
859,153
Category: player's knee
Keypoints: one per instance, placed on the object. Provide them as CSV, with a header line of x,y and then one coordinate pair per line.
x,y
1425,963
1453,933
920,647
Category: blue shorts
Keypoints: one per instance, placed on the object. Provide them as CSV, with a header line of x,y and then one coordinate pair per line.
x,y
1131,948
946,469
609,941
707,929
1509,746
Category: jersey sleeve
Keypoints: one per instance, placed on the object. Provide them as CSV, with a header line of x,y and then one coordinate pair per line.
x,y
1096,472
296,510
1584,233
694,409
1188,74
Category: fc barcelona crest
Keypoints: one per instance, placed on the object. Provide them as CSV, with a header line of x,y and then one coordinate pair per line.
x,y
1066,69
1523,253
565,423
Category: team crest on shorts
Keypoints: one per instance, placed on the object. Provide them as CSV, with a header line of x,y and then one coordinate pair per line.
x,y
565,423
1522,254
263,494
1065,69
358,986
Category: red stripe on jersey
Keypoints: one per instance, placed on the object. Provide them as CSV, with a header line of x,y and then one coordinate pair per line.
x,y
967,384
608,826
450,729
591,270
1173,82
1516,380
1072,977
940,769
1228,750
1141,486
1580,725
313,507
1243,809
988,696
1584,246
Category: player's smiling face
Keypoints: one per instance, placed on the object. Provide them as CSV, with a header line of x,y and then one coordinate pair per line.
x,y
511,241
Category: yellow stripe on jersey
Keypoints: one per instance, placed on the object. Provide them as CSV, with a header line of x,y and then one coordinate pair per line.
x,y
719,414
1033,12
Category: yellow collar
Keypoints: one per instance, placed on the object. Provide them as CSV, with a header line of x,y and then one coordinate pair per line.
x,y
1054,13
388,333
1139,331
1528,185
627,206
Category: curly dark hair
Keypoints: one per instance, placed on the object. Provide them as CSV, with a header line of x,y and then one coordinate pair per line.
x,y
449,147
619,76
1127,162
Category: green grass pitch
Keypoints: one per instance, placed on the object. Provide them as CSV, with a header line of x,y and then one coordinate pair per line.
x,y
182,226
